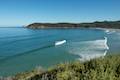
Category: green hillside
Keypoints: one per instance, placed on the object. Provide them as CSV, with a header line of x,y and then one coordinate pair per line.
x,y
107,68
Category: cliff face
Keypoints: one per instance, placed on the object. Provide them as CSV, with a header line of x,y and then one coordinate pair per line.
x,y
105,24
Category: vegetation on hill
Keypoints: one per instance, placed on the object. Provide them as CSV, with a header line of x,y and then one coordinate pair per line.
x,y
104,24
107,68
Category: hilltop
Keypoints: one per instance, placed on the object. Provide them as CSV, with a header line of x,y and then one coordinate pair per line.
x,y
97,24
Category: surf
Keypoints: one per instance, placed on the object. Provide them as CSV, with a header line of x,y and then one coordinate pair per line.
x,y
88,50
109,31
105,43
60,42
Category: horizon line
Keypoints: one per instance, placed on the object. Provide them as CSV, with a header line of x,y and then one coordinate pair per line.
x,y
59,22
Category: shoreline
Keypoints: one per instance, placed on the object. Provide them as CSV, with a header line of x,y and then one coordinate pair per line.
x,y
87,28
97,24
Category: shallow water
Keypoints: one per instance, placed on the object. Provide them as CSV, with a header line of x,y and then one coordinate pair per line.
x,y
23,49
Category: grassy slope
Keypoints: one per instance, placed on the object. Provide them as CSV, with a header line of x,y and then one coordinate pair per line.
x,y
107,68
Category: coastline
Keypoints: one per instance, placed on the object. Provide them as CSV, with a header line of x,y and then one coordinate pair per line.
x,y
103,24
105,29
110,29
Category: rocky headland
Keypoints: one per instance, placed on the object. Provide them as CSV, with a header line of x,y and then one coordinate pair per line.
x,y
104,24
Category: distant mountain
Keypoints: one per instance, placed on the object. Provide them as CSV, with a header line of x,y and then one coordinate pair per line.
x,y
97,24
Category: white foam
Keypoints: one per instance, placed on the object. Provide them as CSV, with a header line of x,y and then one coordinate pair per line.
x,y
60,42
105,43
109,31
89,49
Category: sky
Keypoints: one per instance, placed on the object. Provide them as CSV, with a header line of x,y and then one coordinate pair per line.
x,y
24,12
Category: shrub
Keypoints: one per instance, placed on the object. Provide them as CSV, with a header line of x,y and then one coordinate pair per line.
x,y
107,68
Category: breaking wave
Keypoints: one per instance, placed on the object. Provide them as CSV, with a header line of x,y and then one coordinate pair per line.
x,y
109,31
87,50
60,42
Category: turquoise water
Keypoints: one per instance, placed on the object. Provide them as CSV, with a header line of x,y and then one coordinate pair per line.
x,y
23,49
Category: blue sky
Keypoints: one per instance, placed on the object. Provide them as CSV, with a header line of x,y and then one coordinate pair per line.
x,y
24,12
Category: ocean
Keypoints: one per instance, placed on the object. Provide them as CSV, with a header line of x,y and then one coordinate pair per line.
x,y
23,49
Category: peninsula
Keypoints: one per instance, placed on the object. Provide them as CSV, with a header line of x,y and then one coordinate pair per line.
x,y
97,24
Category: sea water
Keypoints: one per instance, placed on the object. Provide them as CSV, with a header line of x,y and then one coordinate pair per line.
x,y
23,49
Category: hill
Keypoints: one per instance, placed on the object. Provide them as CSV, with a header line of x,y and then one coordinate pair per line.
x,y
107,68
104,24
